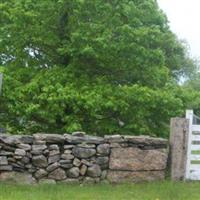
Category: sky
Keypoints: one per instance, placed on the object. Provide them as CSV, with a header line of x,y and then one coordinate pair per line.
x,y
184,18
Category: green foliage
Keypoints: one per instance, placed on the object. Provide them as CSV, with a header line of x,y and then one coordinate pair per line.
x,y
55,101
191,93
99,66
157,190
127,41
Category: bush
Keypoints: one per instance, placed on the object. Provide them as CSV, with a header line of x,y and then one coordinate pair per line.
x,y
55,101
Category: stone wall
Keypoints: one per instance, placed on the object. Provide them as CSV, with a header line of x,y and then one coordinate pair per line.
x,y
79,158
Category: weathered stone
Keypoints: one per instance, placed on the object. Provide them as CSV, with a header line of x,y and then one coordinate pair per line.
x,y
9,139
94,171
68,147
6,168
76,162
138,176
135,159
114,138
85,162
118,145
46,181
40,148
104,174
79,134
54,152
73,172
53,159
54,138
28,154
89,180
37,152
70,181
17,178
66,166
40,173
39,137
18,165
58,174
86,139
53,166
67,156
26,139
88,146
50,138
103,149
67,151
65,161
46,152
39,142
54,147
40,161
25,160
18,157
103,162
83,152
83,170
6,153
25,147
11,159
20,152
146,140
29,166
3,160
16,139
7,147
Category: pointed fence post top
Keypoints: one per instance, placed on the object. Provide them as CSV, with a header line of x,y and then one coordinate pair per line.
x,y
189,114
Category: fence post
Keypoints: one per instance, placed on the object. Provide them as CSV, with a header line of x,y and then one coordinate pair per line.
x,y
179,131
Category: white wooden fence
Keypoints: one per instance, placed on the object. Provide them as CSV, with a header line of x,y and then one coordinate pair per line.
x,y
193,147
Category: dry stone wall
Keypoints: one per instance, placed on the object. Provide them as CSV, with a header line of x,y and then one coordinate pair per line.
x,y
80,158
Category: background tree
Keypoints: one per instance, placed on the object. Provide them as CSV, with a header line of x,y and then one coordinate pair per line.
x,y
99,66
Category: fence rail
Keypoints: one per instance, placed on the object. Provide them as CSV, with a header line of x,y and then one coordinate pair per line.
x,y
193,147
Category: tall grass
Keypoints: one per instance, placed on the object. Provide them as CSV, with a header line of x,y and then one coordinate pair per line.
x,y
147,191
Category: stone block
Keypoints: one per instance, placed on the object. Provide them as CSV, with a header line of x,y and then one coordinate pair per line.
x,y
135,159
3,160
94,171
58,174
40,173
73,172
39,161
20,152
138,176
103,149
17,178
83,152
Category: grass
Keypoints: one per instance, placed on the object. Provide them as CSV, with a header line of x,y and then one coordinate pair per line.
x,y
147,191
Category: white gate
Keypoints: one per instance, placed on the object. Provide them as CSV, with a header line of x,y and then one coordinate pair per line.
x,y
193,151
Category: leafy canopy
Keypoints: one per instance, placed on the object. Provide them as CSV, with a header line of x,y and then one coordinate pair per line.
x,y
99,66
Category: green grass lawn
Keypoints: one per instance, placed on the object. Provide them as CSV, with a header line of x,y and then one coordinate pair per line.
x,y
147,191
